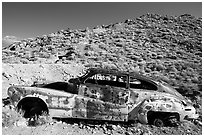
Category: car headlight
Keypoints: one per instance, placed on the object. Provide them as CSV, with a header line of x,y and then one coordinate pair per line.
x,y
190,112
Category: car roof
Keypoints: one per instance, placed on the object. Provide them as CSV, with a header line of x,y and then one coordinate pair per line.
x,y
118,72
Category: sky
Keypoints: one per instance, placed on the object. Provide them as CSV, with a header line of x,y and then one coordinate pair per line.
x,y
31,19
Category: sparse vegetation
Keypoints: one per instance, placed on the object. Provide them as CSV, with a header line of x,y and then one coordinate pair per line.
x,y
167,48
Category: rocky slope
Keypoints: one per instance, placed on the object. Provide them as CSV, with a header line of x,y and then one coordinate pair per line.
x,y
166,48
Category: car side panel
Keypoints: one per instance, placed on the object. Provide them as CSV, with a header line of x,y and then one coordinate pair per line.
x,y
101,104
64,105
152,101
59,103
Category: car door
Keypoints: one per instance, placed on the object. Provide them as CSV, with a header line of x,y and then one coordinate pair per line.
x,y
140,89
106,98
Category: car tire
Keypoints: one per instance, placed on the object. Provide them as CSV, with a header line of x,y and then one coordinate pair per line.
x,y
35,112
159,122
31,107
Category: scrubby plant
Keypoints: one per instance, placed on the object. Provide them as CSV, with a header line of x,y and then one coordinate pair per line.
x,y
160,67
165,79
10,117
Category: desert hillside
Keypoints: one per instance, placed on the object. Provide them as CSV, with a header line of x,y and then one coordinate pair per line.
x,y
167,48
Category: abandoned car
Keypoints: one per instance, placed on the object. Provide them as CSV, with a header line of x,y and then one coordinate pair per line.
x,y
102,94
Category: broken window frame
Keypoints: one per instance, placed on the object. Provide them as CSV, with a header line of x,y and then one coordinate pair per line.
x,y
154,85
101,85
126,79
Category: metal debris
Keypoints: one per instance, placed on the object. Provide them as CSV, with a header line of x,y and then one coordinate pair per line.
x,y
103,94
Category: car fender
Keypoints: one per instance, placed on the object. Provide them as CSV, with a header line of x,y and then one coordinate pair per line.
x,y
49,96
169,105
15,94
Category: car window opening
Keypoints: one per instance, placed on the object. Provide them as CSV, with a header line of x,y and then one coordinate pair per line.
x,y
111,80
141,84
64,86
108,94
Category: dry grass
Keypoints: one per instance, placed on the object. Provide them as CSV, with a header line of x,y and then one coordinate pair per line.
x,y
10,117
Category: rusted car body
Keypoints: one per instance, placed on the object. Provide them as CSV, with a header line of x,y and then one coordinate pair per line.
x,y
105,95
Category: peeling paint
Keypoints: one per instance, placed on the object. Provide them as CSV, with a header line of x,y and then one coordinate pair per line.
x,y
107,95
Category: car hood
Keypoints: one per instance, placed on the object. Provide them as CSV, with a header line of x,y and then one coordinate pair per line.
x,y
171,90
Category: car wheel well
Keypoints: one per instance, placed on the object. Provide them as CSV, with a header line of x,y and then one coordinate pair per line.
x,y
153,116
32,106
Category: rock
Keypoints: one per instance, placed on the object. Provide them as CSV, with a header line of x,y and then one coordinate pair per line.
x,y
21,122
198,122
114,127
6,75
127,133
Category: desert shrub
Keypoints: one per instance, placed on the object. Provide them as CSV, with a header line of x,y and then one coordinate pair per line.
x,y
151,67
154,55
159,67
195,79
44,119
188,80
9,117
134,57
189,90
183,74
171,69
103,46
165,79
88,47
147,70
44,55
111,58
155,40
183,89
198,53
159,56
24,61
156,66
178,66
119,44
173,82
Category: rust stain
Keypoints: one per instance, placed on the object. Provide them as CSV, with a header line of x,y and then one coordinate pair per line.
x,y
66,101
106,97
48,100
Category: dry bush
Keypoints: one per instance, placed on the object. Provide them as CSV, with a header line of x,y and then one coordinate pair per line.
x,y
10,116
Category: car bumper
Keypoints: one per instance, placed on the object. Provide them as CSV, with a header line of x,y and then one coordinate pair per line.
x,y
192,116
